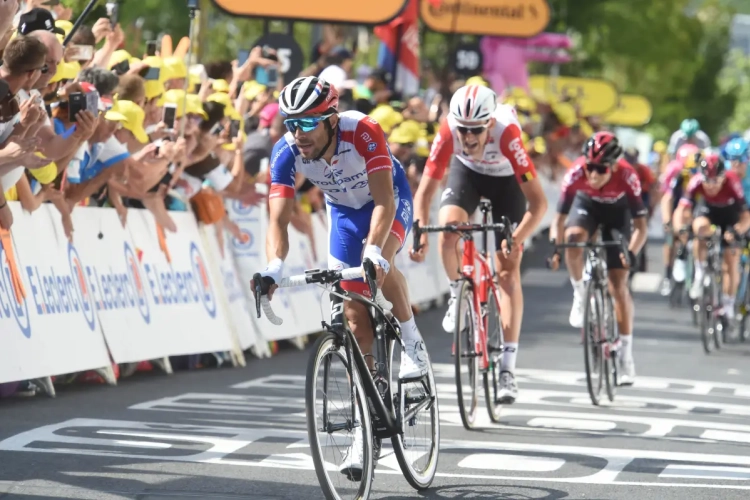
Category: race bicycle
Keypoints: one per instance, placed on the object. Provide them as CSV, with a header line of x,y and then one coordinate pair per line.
x,y
478,334
712,325
600,336
357,399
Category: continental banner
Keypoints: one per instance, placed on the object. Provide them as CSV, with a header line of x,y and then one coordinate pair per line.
x,y
328,11
515,18
632,111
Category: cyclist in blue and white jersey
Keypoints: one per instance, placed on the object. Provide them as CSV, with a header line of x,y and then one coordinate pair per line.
x,y
736,154
369,211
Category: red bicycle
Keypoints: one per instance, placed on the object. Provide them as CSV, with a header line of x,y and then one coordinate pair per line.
x,y
478,334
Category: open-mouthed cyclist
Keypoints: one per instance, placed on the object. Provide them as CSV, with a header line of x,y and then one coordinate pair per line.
x,y
369,211
723,206
601,189
480,142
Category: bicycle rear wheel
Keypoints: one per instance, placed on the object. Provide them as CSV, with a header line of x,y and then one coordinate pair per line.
x,y
495,341
593,335
465,356
330,427
610,354
707,317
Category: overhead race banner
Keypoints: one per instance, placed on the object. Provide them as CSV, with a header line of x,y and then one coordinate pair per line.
x,y
516,18
632,111
593,97
329,11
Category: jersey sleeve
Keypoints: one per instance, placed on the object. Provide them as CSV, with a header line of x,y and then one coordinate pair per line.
x,y
283,170
570,185
704,139
735,184
634,193
511,146
677,140
440,153
688,197
370,143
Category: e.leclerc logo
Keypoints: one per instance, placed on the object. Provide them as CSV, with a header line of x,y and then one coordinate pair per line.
x,y
136,281
85,296
9,306
200,274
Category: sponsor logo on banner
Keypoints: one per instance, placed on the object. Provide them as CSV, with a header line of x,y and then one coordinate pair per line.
x,y
9,306
136,282
241,209
200,271
84,294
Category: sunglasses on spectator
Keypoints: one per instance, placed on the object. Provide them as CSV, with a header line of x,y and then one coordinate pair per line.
x,y
44,69
476,130
598,168
304,124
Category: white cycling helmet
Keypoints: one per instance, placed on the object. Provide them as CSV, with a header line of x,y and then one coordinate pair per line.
x,y
473,103
308,95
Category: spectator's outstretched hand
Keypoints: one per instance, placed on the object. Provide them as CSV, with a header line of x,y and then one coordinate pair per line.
x,y
32,161
8,9
86,123
102,28
16,149
147,153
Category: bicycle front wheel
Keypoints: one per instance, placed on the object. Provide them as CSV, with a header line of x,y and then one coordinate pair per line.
x,y
465,356
707,317
593,336
495,341
338,423
610,354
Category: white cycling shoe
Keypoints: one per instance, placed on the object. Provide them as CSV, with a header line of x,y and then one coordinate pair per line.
x,y
576,312
626,373
351,466
414,360
449,321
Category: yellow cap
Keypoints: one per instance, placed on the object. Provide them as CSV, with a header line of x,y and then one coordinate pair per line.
x,y
119,56
133,119
66,71
518,92
386,116
220,86
565,113
407,132
253,89
539,145
229,109
46,174
422,148
154,88
660,147
477,80
525,104
66,26
177,96
173,68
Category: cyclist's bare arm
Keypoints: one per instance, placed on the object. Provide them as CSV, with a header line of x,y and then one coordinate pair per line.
x,y
743,226
428,186
534,213
640,233
557,227
277,239
441,153
666,207
681,215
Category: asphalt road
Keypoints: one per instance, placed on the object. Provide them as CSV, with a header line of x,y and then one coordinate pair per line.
x,y
681,432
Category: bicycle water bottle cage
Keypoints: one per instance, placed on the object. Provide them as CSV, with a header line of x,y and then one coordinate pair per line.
x,y
485,206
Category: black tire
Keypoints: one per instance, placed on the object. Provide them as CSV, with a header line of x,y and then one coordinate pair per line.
x,y
322,353
610,355
720,323
593,353
707,318
675,295
491,378
465,355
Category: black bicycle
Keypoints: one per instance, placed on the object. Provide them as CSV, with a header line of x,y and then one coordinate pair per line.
x,y
600,335
712,325
347,392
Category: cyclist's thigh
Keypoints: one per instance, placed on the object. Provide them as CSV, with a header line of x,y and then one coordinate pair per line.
x,y
507,200
460,191
402,221
347,232
617,223
724,218
583,214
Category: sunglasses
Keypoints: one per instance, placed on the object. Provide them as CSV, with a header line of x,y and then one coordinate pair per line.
x,y
304,124
713,180
44,69
472,130
598,168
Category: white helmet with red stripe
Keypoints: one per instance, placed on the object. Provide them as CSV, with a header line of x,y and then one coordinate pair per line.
x,y
473,103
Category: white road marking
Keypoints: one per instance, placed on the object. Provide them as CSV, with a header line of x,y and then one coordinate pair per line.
x,y
499,461
578,424
646,282
706,472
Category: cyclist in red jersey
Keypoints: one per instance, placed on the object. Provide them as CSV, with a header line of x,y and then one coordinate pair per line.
x,y
480,142
724,206
602,189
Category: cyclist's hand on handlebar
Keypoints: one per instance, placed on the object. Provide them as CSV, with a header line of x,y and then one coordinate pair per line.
x,y
382,266
271,277
420,254
554,262
628,260
271,287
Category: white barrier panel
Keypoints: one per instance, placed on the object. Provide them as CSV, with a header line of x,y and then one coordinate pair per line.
x,y
54,329
220,255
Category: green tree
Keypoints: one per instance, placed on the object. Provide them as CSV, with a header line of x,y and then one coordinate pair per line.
x,y
736,77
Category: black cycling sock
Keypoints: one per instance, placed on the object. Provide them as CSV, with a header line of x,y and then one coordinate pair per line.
x,y
668,271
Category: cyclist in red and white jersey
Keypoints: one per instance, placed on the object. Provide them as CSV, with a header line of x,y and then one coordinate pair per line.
x,y
480,142
602,189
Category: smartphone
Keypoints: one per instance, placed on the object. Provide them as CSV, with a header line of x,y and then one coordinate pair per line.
x,y
217,129
151,48
4,89
121,68
234,129
83,53
169,114
92,102
150,73
262,76
76,104
113,13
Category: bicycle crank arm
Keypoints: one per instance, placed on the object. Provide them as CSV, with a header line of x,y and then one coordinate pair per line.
x,y
424,403
345,426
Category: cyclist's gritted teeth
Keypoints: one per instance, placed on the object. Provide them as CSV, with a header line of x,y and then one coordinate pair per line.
x,y
305,146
